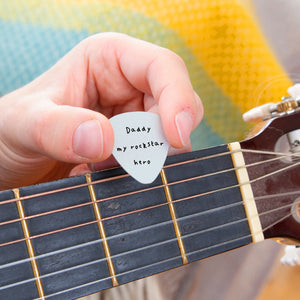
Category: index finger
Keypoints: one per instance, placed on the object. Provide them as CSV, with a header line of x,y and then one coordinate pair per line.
x,y
161,73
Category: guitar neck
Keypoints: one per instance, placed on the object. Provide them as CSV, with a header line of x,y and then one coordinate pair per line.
x,y
76,236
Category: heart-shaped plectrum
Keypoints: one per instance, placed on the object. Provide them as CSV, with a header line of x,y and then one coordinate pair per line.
x,y
140,146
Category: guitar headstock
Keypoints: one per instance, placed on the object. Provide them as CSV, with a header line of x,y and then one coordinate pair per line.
x,y
273,162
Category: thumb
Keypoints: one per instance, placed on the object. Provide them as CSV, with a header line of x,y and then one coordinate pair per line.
x,y
65,133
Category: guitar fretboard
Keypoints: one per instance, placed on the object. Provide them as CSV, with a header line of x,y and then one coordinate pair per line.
x,y
74,258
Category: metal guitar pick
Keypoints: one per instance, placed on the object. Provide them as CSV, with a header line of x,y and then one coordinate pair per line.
x,y
140,146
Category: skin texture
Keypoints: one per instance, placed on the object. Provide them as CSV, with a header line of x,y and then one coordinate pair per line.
x,y
57,125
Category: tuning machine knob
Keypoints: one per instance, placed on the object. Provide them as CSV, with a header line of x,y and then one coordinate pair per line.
x,y
288,105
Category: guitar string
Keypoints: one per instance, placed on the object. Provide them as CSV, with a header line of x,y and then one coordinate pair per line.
x,y
136,192
112,178
151,265
280,170
152,226
145,248
151,207
282,154
239,220
138,230
117,255
146,208
141,268
13,285
162,261
246,219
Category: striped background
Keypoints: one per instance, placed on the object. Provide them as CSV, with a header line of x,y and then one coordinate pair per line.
x,y
230,63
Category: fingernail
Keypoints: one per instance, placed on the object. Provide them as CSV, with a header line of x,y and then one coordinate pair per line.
x,y
184,124
88,140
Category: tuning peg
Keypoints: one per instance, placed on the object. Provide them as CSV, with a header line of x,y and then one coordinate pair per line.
x,y
259,113
291,256
271,110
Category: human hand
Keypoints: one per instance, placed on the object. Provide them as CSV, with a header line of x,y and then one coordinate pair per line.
x,y
60,120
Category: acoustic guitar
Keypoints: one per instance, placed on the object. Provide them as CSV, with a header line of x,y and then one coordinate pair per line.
x,y
80,235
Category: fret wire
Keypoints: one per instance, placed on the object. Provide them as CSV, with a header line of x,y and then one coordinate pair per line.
x,y
102,231
190,253
174,201
135,192
283,155
173,216
29,245
157,225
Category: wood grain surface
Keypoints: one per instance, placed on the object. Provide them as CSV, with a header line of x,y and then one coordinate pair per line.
x,y
283,283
